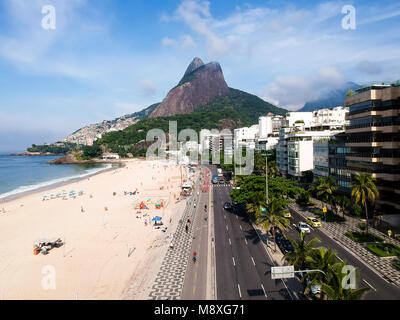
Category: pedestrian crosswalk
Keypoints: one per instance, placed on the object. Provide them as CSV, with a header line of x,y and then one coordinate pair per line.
x,y
221,185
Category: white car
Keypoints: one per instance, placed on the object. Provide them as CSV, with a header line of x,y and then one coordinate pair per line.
x,y
303,227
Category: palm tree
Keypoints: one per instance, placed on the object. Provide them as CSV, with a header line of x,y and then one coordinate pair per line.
x,y
302,250
274,217
258,202
336,278
320,259
343,202
364,189
326,188
273,169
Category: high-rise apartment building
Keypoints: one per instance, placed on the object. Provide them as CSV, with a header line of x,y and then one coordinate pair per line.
x,y
373,140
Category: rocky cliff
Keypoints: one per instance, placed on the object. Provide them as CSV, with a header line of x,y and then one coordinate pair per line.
x,y
199,85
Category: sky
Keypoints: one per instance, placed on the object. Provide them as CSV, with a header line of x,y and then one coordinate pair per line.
x,y
108,58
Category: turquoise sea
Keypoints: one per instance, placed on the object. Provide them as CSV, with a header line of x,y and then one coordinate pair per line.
x,y
26,174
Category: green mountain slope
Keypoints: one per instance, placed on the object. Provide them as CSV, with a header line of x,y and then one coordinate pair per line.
x,y
238,109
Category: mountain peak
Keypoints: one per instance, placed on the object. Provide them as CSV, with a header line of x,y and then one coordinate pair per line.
x,y
200,84
195,64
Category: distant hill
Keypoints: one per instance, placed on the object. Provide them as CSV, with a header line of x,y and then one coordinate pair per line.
x,y
238,109
332,99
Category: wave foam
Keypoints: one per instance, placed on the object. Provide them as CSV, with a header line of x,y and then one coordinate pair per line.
x,y
49,183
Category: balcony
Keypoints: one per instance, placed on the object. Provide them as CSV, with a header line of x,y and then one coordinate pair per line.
x,y
376,126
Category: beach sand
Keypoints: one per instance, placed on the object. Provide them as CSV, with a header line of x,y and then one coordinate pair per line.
x,y
94,262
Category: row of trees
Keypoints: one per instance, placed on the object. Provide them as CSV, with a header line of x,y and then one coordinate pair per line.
x,y
363,192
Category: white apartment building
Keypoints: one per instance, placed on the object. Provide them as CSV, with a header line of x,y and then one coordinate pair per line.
x,y
303,143
268,135
246,137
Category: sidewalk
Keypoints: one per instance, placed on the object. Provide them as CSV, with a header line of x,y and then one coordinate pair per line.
x,y
169,282
337,231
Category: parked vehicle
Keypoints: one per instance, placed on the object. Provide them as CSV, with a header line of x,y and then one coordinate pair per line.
x,y
286,246
215,179
279,238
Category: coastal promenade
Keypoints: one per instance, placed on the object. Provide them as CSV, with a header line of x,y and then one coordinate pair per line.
x,y
169,282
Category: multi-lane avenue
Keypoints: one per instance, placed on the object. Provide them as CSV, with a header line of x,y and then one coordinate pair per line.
x,y
242,264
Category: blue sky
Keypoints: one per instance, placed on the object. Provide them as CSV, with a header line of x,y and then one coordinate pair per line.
x,y
113,57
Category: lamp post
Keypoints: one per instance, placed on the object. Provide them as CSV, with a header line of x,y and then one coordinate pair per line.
x,y
266,178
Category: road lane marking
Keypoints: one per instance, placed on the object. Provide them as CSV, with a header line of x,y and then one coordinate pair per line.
x,y
369,284
227,227
237,218
253,261
245,240
339,258
241,227
233,259
265,294
295,294
240,292
230,241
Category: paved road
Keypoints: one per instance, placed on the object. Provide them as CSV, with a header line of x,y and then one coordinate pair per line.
x,y
382,290
242,264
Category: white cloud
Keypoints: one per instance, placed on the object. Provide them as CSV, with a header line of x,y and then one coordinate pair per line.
x,y
184,42
292,92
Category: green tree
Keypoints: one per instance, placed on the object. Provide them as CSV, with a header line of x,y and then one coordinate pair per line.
x,y
273,169
90,152
302,250
258,202
320,259
325,188
335,289
363,189
343,202
303,198
274,217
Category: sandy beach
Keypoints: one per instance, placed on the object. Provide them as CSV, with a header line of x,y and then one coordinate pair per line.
x,y
109,251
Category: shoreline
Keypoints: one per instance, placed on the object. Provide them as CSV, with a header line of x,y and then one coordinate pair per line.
x,y
58,184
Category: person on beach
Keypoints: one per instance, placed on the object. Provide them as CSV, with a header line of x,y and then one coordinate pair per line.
x,y
186,228
82,209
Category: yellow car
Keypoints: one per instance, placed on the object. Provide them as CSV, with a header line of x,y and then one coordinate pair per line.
x,y
287,215
313,222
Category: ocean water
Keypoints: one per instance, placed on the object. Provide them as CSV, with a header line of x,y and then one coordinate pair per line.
x,y
26,174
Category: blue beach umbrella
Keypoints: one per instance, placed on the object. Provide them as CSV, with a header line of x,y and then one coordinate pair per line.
x,y
157,219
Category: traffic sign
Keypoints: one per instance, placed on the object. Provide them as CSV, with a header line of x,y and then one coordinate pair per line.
x,y
325,210
284,272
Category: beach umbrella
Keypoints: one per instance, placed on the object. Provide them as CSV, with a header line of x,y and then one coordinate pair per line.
x,y
157,219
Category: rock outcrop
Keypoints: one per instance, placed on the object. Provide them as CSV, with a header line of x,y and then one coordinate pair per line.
x,y
200,84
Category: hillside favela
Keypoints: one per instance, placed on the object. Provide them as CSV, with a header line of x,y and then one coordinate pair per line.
x,y
216,152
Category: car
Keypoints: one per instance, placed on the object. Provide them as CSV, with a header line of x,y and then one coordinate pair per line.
x,y
221,181
277,231
286,246
279,238
313,222
303,227
287,215
227,206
